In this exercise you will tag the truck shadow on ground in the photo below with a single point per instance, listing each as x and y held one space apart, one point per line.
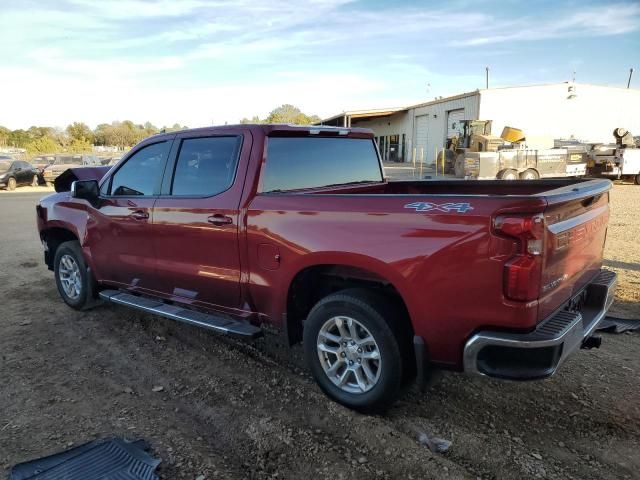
622 265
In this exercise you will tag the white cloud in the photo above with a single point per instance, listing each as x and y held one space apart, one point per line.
614 19
127 9
221 60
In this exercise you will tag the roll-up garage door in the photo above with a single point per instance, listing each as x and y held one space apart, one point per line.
454 122
421 137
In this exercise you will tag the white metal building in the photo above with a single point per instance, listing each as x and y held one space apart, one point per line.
577 111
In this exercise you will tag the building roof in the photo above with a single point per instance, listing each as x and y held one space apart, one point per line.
374 112
384 112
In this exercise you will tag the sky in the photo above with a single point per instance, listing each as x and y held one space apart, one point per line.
203 62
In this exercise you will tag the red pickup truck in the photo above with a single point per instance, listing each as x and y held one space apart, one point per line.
240 229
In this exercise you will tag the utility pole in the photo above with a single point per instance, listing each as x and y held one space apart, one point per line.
487 77
630 75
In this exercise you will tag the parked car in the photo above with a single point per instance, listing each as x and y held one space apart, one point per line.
15 173
64 162
272 228
43 161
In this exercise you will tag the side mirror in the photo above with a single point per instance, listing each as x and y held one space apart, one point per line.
87 190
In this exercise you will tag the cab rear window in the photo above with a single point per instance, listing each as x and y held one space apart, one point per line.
295 163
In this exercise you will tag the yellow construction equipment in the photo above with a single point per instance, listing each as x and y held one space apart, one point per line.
512 135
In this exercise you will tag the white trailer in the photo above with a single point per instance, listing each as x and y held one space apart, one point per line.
624 164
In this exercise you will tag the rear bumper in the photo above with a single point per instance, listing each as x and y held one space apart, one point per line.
538 354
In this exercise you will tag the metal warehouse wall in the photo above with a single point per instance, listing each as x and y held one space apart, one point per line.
436 122
395 124
589 113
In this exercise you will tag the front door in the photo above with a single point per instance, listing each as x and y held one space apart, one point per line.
195 221
120 229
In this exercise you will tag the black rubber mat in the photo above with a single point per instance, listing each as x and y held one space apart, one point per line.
107 459
618 325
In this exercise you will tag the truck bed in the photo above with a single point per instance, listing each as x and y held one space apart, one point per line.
544 188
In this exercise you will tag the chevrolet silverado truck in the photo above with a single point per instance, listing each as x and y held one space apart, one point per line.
295 231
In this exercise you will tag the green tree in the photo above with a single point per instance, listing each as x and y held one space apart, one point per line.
5 134
150 129
253 120
101 133
19 138
289 114
42 145
80 132
80 146
284 114
40 132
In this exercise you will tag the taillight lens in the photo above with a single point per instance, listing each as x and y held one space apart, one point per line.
522 273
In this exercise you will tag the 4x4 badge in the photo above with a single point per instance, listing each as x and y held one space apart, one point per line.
439 207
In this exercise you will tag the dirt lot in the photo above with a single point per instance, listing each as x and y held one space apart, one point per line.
233 410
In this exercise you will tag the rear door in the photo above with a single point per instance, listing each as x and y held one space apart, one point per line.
196 219
120 229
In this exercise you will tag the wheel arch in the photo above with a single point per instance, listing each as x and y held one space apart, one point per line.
315 280
55 236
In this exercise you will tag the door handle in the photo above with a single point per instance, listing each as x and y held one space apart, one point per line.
219 219
139 215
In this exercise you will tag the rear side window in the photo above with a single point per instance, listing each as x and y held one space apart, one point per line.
308 162
206 166
141 173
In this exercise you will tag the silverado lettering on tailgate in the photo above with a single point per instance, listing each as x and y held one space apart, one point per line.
581 233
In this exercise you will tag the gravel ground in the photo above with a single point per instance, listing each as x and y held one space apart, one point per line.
228 409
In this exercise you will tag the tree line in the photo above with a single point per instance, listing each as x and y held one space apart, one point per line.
78 137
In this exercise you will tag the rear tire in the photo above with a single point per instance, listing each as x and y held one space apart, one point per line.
508 175
11 184
35 181
529 174
354 349
73 279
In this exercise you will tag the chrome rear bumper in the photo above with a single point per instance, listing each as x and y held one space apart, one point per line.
538 354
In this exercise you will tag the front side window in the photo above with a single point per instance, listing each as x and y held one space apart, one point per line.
206 166
295 163
141 173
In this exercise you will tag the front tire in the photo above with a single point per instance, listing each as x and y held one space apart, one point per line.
353 348
72 277
11 184
35 181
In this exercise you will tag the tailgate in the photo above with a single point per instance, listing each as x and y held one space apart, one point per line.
576 229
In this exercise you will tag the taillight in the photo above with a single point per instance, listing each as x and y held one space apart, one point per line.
522 273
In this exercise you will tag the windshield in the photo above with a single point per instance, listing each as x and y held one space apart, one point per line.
4 165
295 163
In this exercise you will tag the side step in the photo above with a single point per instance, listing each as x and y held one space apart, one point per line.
219 324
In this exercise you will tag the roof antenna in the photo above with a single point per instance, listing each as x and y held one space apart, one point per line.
630 75
487 77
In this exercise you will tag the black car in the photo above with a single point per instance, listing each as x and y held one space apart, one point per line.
14 173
